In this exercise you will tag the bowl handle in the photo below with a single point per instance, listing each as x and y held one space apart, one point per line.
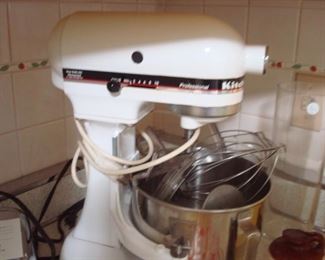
253 236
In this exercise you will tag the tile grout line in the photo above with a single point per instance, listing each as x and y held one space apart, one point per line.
257 116
19 154
37 125
9 31
298 27
247 21
18 146
59 9
274 4
66 139
246 40
42 124
14 100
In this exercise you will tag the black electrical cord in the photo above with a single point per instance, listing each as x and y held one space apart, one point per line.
51 193
69 216
38 228
50 197
46 204
39 235
70 212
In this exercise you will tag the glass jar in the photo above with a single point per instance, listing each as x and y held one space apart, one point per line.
297 199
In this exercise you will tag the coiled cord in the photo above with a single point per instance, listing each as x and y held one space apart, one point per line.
112 166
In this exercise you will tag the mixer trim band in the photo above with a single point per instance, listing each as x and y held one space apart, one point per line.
153 82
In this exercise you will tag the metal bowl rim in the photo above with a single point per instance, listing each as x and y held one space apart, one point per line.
206 211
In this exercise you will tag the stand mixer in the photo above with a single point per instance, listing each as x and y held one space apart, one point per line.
114 67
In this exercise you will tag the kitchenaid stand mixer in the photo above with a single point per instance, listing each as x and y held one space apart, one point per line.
114 67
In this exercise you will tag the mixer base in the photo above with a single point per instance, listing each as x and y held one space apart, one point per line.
76 249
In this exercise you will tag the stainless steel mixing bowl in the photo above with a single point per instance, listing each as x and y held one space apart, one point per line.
181 225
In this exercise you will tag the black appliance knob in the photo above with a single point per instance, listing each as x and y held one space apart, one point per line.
114 86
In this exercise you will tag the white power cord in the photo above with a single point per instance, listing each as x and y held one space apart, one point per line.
111 165
74 176
97 151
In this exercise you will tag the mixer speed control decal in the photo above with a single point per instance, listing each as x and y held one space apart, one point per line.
154 81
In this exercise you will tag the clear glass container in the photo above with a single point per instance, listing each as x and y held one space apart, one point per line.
297 199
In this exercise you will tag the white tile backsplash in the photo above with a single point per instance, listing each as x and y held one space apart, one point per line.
42 146
260 92
230 123
235 16
72 136
305 151
320 4
173 8
76 2
7 113
121 1
311 43
4 34
37 100
156 2
184 2
147 121
30 25
68 109
167 121
120 7
226 3
276 3
285 191
9 158
68 8
148 7
275 27
255 124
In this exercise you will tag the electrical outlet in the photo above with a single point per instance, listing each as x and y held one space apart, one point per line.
307 112
308 106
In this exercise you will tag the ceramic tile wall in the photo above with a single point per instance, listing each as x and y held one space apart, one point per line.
36 125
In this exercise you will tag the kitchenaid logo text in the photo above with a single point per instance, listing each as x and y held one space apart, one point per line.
231 84
193 86
74 74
